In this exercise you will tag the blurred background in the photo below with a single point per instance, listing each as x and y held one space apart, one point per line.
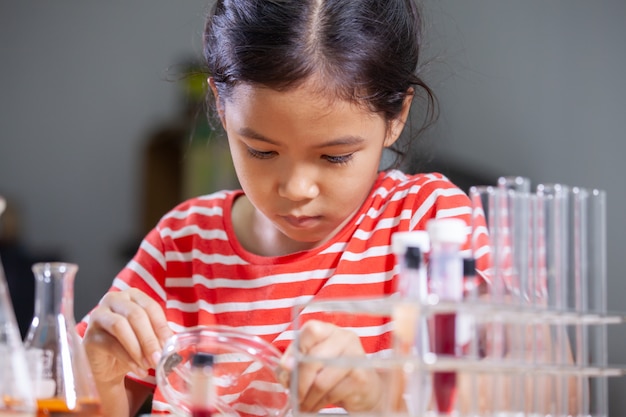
98 138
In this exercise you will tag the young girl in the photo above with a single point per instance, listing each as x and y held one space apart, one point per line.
309 93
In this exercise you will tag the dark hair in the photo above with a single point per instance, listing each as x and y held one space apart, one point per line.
366 51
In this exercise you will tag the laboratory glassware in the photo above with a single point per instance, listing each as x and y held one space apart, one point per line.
245 372
16 395
446 282
410 325
65 385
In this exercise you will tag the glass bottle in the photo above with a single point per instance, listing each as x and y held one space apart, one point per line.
65 385
446 282
202 386
409 325
16 395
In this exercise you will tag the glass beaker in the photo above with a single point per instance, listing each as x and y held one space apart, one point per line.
64 383
16 396
245 373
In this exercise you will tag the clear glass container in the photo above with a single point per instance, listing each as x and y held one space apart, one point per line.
64 383
16 395
245 373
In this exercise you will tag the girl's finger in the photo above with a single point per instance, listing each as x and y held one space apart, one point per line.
143 344
359 390
155 314
324 340
312 333
117 326
324 382
103 344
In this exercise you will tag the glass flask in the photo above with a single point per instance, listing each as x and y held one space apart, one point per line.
244 374
64 383
16 395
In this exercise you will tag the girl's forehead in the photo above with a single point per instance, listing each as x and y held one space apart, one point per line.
284 113
311 92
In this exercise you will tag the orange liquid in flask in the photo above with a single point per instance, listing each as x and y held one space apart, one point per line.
56 407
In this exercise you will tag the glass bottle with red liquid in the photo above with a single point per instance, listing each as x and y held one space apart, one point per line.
202 389
64 384
446 282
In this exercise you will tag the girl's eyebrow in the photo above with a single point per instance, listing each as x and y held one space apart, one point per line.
249 133
341 141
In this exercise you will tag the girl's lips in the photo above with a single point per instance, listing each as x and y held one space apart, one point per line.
302 222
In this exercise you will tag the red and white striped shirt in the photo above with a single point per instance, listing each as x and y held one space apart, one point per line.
194 266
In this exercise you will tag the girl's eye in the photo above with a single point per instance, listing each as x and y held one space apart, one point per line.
260 154
340 159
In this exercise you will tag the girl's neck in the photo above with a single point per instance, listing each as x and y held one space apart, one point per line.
258 235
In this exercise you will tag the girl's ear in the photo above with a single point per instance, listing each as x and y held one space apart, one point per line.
218 103
397 125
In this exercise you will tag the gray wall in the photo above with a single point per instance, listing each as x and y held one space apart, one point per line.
82 83
538 88
533 88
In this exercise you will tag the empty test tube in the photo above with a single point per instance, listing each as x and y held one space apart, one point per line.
577 283
598 353
507 213
555 198
515 183
515 231
487 201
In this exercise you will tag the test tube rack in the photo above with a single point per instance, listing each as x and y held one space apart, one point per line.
539 335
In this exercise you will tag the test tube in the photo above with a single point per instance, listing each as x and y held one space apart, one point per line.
538 293
537 277
597 299
555 204
515 183
410 327
468 333
490 202
202 388
446 282
517 220
577 283
516 231
487 201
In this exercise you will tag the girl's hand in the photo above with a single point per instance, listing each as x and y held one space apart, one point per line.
354 389
126 333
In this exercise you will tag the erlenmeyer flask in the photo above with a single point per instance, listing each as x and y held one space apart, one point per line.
16 395
65 385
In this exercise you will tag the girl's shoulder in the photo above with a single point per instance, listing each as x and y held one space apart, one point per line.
396 185
410 200
201 208
398 178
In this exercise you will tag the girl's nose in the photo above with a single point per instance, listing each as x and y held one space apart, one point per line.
297 184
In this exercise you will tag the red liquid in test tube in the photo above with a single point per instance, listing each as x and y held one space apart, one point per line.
202 412
444 383
202 396
446 281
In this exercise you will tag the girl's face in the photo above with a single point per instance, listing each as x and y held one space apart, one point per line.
306 163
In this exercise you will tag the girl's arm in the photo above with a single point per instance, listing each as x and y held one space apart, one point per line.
126 333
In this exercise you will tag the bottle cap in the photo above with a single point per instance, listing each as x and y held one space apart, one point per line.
449 230
469 267
202 359
402 240
413 257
